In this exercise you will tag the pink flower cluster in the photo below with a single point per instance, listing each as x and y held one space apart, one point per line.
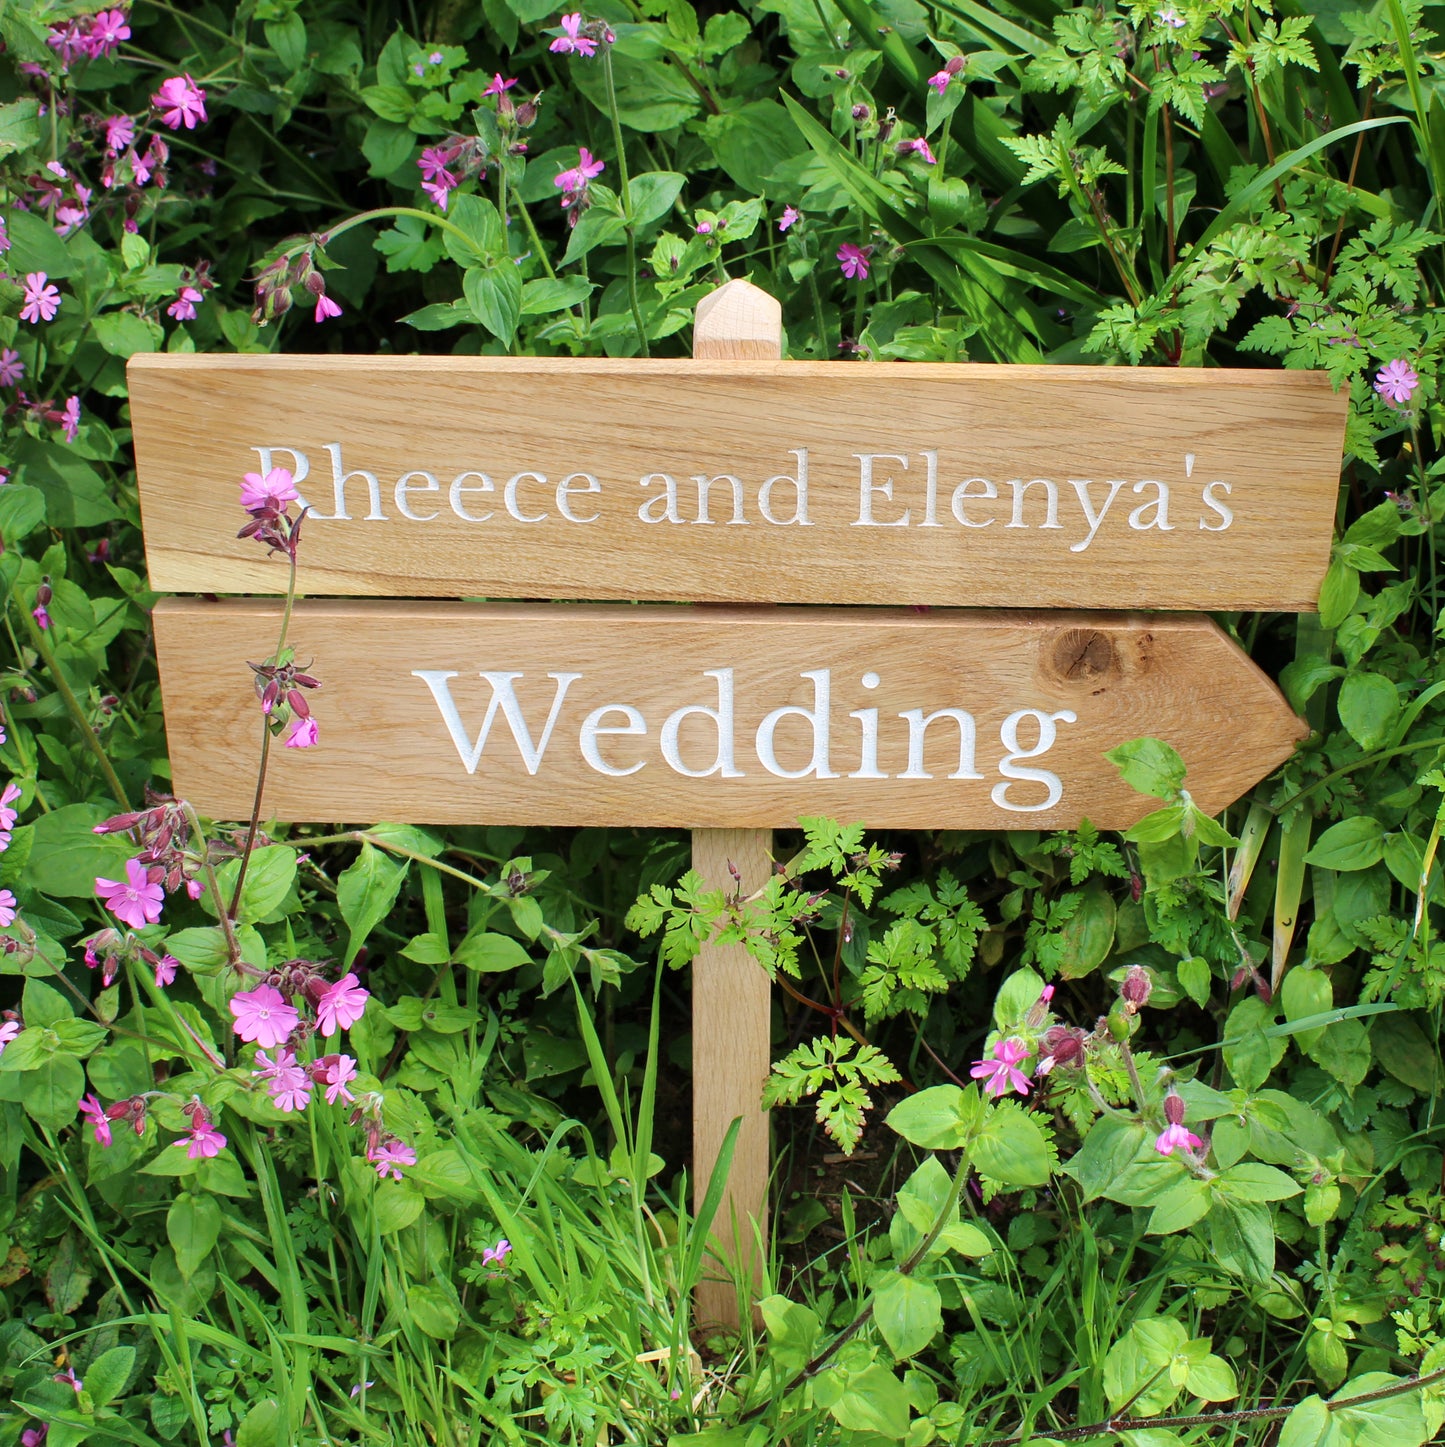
289 273
580 37
90 36
574 184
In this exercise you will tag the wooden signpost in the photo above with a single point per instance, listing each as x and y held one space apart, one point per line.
733 478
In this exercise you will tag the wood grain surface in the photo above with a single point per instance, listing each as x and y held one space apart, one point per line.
391 670
732 1048
547 478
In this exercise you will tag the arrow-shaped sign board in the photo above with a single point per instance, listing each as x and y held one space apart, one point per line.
714 718
747 481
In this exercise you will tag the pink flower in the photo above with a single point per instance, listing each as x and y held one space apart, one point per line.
4 235
439 189
335 1072
7 909
119 133
434 161
269 493
325 307
574 183
573 39
1173 1137
183 308
204 1141
497 1255
390 1158
1175 21
270 1069
1396 381
70 424
854 261
918 147
166 967
263 1015
107 30
1002 1073
703 228
40 615
138 901
290 1089
498 85
97 1119
181 102
68 41
304 733
340 1006
9 1029
12 369
41 301
940 81
790 215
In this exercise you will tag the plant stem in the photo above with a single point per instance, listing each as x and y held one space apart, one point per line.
331 233
627 215
233 945
73 708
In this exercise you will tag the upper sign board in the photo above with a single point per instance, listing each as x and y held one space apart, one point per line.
816 482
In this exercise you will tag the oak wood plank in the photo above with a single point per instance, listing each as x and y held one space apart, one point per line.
1056 486
731 994
387 750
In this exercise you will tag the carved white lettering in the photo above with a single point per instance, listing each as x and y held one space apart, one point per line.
867 487
505 697
592 728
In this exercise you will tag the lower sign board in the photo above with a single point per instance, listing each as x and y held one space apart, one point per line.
453 713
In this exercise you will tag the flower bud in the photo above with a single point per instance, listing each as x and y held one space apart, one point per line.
955 63
1174 1108
1136 989
861 113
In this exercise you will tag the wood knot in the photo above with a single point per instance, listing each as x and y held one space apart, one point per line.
1083 655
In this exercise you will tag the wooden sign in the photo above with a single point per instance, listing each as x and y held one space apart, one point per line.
525 714
756 481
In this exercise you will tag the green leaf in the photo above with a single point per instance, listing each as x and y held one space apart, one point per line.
1255 1181
66 857
397 1204
40 1004
193 1226
1369 704
495 296
34 246
262 1426
433 1306
1338 593
106 1376
365 894
1011 1147
550 294
52 1091
1133 1368
873 1401
480 222
270 875
938 1119
1354 843
1310 1424
1306 992
1149 765
19 125
490 953
1179 1207
123 334
1241 1238
1249 1053
652 195
908 1312
1211 1378
1196 978
22 510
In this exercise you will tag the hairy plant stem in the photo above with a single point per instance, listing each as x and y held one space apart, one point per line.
325 238
628 226
73 708
265 744
1120 1423
233 945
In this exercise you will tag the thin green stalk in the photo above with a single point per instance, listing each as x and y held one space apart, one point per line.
73 708
628 226
331 233
233 947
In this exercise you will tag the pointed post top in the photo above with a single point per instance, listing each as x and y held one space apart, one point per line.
740 322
